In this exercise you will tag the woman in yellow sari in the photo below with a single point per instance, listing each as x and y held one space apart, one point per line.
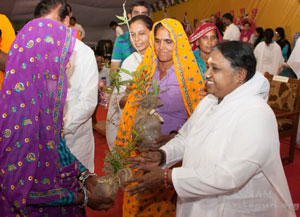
169 59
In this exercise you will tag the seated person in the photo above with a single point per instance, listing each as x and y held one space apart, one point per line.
103 70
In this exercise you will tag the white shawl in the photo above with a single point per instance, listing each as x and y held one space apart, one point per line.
231 163
269 58
294 59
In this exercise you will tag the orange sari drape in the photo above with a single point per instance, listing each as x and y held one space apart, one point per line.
161 202
7 38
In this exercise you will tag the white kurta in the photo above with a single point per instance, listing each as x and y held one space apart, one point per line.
294 59
114 113
294 63
231 163
269 58
119 31
80 104
232 33
81 30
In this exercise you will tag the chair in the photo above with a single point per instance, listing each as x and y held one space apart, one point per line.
284 99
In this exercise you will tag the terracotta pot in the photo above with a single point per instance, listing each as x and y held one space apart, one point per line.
107 186
146 123
124 175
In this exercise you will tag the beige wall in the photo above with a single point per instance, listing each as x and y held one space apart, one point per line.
271 13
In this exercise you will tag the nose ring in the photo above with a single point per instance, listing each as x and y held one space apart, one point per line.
208 76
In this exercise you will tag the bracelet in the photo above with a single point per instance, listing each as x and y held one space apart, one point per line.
163 157
166 178
85 202
84 177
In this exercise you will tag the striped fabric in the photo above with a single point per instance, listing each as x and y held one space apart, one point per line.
122 48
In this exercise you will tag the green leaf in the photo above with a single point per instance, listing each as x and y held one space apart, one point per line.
155 87
139 85
125 71
143 68
134 132
120 18
127 82
137 73
144 78
115 74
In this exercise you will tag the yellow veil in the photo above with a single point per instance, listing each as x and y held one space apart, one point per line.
187 72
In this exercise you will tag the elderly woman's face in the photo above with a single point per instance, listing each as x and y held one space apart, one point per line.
208 41
139 36
163 45
221 78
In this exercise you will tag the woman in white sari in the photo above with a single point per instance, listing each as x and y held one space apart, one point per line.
140 27
268 54
229 147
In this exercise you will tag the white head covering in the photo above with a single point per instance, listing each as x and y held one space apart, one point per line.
216 155
294 60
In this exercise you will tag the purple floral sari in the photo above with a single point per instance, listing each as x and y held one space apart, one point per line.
32 101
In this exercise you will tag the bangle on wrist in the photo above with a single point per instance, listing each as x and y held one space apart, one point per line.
85 201
166 178
163 157
83 177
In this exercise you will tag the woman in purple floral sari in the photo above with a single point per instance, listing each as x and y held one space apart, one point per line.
38 174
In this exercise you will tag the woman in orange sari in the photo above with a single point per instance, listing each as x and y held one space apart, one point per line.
169 59
6 39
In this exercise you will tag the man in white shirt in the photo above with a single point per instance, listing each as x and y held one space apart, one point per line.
80 104
76 25
122 46
232 32
81 99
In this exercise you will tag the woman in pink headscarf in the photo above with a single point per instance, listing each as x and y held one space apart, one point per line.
246 34
202 41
